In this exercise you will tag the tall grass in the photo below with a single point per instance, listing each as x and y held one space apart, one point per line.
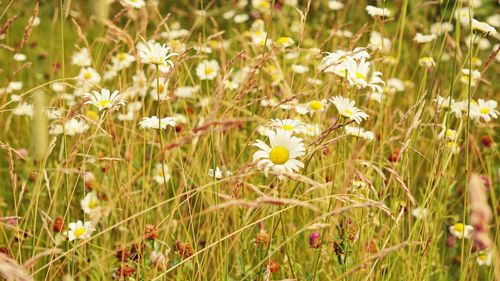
346 215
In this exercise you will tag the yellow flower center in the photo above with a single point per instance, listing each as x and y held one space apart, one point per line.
316 105
87 75
452 145
450 133
105 103
79 231
279 155
122 56
459 227
264 4
483 256
347 113
485 110
93 203
159 172
287 127
208 70
283 41
360 76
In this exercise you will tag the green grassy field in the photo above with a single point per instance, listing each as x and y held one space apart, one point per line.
249 140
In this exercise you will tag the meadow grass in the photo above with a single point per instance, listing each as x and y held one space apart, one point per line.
380 204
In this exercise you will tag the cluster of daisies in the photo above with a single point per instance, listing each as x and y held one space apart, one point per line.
283 154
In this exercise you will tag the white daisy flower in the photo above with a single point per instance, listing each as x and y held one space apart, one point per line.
377 12
260 38
241 18
395 85
71 127
427 62
281 155
89 76
484 257
379 42
311 130
314 106
122 60
90 203
458 108
160 87
154 123
291 125
299 69
161 173
186 91
420 213
104 99
154 53
443 102
14 86
229 14
484 110
481 27
347 109
474 76
140 83
440 28
261 5
375 96
271 102
79 230
81 58
359 75
448 134
175 32
421 38
336 62
291 55
359 132
57 87
207 69
23 109
335 5
285 42
460 230
19 57
482 43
